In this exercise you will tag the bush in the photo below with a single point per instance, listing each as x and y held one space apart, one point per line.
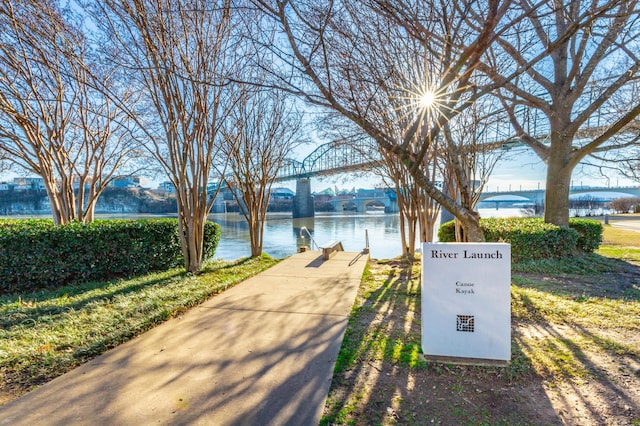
589 234
447 232
530 238
35 254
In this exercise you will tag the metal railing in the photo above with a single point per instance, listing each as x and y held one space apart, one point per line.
366 239
311 240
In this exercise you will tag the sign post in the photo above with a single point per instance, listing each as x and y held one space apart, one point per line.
466 301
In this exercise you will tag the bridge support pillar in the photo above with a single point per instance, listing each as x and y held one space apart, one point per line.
303 200
391 207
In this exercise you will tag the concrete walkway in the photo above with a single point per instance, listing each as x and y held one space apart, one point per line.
261 353
629 222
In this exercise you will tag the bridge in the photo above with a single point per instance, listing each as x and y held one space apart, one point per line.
347 156
334 157
599 194
364 197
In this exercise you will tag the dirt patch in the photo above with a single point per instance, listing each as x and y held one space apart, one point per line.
590 378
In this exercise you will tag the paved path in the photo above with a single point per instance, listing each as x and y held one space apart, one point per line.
261 353
629 222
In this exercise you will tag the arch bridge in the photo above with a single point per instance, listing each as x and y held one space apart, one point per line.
536 196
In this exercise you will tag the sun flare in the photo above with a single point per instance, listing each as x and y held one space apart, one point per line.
427 99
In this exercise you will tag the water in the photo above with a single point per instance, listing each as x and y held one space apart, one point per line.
282 233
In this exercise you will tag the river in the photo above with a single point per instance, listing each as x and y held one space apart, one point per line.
282 235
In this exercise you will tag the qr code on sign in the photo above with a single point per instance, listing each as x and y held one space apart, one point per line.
465 323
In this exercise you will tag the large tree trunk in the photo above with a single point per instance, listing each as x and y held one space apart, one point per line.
556 204
560 164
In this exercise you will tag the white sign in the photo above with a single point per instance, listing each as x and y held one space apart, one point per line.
466 300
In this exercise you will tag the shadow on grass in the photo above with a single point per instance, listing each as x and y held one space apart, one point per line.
99 316
592 373
380 377
570 329
582 277
75 297
25 309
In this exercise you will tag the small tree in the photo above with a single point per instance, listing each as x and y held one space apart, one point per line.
182 56
474 139
52 123
625 205
259 134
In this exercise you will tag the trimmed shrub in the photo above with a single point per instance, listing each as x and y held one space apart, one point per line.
447 232
589 234
530 238
35 254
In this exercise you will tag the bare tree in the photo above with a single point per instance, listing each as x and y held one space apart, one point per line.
345 52
182 55
625 205
260 133
476 136
418 212
51 122
580 60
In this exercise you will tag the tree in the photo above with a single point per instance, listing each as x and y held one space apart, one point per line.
260 133
343 55
625 205
52 123
580 60
182 55
476 137
417 211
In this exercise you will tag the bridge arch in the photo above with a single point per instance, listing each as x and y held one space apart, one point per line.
507 200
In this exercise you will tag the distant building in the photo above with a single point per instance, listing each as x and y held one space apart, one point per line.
5 186
167 187
282 194
28 183
127 182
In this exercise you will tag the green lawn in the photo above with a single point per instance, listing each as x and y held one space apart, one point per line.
45 334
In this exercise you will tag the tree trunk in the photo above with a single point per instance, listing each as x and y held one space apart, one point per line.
255 234
472 230
191 233
560 165
195 238
556 203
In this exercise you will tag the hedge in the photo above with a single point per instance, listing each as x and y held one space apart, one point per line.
532 238
590 233
35 253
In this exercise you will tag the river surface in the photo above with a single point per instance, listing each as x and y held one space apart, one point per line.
282 235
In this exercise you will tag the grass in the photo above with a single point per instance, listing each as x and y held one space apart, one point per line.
567 313
45 334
